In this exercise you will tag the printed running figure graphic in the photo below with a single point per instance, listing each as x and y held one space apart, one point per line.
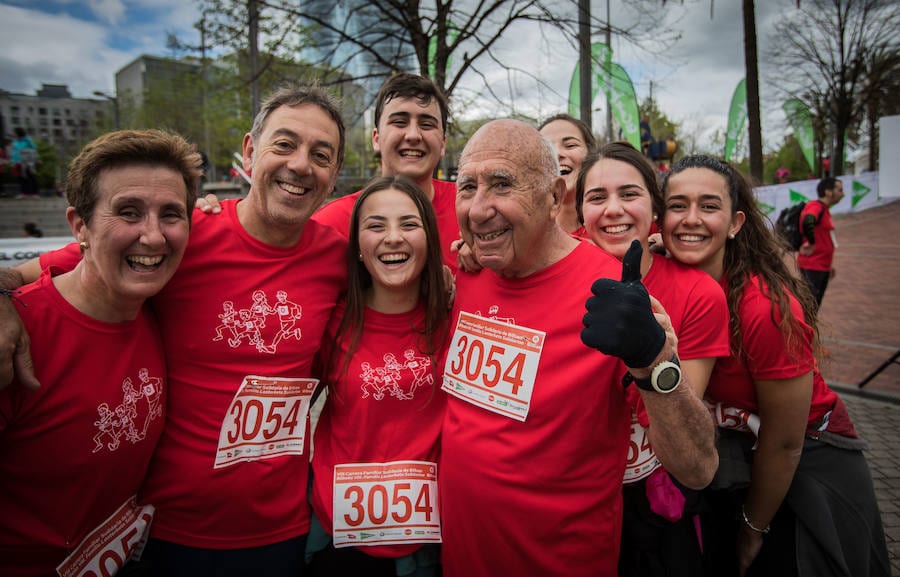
419 368
260 308
151 387
248 325
127 411
389 377
109 426
492 314
113 423
288 315
229 322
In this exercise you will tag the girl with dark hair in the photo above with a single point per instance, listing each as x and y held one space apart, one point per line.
618 200
374 487
805 504
573 140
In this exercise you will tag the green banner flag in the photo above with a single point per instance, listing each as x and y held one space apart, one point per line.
737 118
452 34
796 197
600 53
624 106
860 191
801 122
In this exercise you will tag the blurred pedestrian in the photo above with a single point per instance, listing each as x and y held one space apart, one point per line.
816 255
25 161
31 229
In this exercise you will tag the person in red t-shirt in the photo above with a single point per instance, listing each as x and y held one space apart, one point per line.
816 254
379 431
409 139
536 431
618 199
801 501
74 453
573 140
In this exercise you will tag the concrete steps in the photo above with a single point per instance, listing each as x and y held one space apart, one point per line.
49 212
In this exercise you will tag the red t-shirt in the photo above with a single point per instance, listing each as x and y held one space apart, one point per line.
823 255
237 307
74 451
766 357
386 407
539 497
336 214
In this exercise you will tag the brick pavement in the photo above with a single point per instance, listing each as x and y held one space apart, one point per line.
860 323
875 421
860 314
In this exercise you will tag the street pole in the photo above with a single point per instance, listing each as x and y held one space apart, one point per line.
584 60
754 123
253 11
608 76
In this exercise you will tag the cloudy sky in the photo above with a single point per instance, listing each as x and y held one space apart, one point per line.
82 43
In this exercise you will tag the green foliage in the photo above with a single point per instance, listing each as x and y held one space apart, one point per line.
660 124
789 156
175 95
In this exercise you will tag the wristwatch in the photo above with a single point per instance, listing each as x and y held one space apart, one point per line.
664 378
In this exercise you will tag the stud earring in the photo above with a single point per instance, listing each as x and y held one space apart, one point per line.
360 256
731 235
83 246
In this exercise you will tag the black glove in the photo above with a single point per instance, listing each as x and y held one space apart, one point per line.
619 321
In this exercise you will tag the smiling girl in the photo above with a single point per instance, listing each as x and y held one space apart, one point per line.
376 446
808 507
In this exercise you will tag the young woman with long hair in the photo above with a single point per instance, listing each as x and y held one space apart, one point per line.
807 505
374 464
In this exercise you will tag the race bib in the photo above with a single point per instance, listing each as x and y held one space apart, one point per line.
493 365
736 418
641 459
108 547
266 418
386 504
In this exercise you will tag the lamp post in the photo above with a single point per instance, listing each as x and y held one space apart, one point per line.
115 103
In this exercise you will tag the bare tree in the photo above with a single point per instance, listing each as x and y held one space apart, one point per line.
449 40
827 45
879 95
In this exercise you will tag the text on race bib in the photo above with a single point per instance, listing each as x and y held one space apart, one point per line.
266 419
493 365
386 503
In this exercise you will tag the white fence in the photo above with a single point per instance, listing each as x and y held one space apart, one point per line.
860 192
16 250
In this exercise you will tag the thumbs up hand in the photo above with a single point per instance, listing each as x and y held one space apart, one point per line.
619 320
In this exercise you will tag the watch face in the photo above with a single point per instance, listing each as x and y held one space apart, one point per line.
668 378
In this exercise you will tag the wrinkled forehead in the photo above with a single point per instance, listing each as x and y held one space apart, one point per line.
489 164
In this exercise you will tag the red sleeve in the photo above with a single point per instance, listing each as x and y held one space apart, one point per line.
336 214
768 357
65 258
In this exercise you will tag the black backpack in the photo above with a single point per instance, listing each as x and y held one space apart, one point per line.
788 225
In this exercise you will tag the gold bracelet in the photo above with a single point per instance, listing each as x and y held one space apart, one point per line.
749 524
